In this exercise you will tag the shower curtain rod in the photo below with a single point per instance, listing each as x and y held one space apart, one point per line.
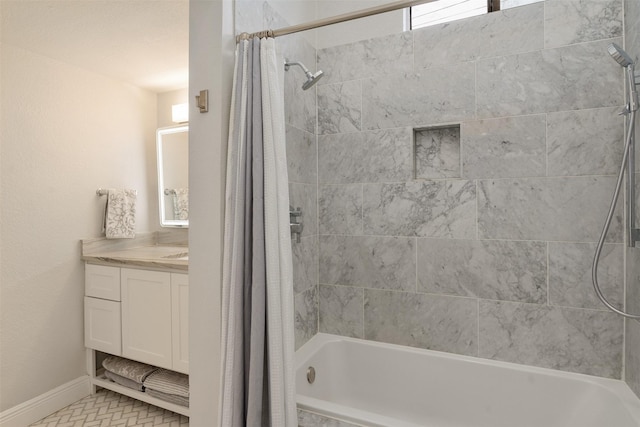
376 10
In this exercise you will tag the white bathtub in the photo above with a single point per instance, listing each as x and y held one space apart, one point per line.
375 384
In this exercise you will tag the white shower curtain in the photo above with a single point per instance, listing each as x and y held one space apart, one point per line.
257 292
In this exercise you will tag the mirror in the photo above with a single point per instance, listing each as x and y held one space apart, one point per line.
173 175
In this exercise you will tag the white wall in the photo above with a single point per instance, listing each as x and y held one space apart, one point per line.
65 132
211 58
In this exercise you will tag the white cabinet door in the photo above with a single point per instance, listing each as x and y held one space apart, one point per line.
102 325
180 321
146 316
101 281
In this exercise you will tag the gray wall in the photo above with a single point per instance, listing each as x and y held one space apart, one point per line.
632 357
478 245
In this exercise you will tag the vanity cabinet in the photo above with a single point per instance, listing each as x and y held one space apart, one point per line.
145 319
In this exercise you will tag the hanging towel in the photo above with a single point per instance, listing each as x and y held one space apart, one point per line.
120 214
181 203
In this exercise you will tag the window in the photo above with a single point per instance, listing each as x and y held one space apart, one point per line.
440 11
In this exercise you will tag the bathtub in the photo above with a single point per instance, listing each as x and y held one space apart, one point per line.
375 384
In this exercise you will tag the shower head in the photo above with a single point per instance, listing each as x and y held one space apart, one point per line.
312 78
619 55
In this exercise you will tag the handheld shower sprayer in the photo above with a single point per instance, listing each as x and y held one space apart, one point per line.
620 56
625 61
312 78
633 236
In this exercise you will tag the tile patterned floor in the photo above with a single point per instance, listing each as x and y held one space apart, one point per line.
109 409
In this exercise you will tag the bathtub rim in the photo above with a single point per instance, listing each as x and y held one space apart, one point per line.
310 404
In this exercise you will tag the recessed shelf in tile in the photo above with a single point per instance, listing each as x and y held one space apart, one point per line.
437 152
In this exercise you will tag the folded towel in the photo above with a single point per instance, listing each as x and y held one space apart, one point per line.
172 398
129 369
168 382
126 382
181 203
120 214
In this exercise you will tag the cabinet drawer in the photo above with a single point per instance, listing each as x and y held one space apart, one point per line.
102 327
102 282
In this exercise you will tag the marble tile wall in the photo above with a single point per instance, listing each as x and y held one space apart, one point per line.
300 127
483 250
632 348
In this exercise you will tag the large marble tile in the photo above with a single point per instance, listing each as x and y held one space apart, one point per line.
342 310
302 157
305 263
576 21
434 96
504 148
340 209
373 156
518 30
490 269
570 275
632 356
568 78
585 142
369 58
304 196
632 29
300 105
633 280
569 339
340 107
367 261
423 209
249 16
310 419
437 152
554 209
306 316
427 321
508 4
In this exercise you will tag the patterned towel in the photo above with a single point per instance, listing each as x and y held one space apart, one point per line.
129 369
126 382
120 214
181 203
168 382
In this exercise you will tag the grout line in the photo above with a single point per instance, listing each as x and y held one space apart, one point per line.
548 257
478 328
416 258
390 236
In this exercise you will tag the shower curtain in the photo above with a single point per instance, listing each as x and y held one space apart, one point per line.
257 288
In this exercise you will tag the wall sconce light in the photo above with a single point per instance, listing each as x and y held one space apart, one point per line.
180 113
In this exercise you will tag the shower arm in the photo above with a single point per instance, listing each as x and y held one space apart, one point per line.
288 64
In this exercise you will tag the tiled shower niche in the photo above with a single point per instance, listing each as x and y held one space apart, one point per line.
437 152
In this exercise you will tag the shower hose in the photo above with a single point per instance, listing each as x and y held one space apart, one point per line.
605 229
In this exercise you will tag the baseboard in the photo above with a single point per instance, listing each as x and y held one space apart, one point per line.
47 403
